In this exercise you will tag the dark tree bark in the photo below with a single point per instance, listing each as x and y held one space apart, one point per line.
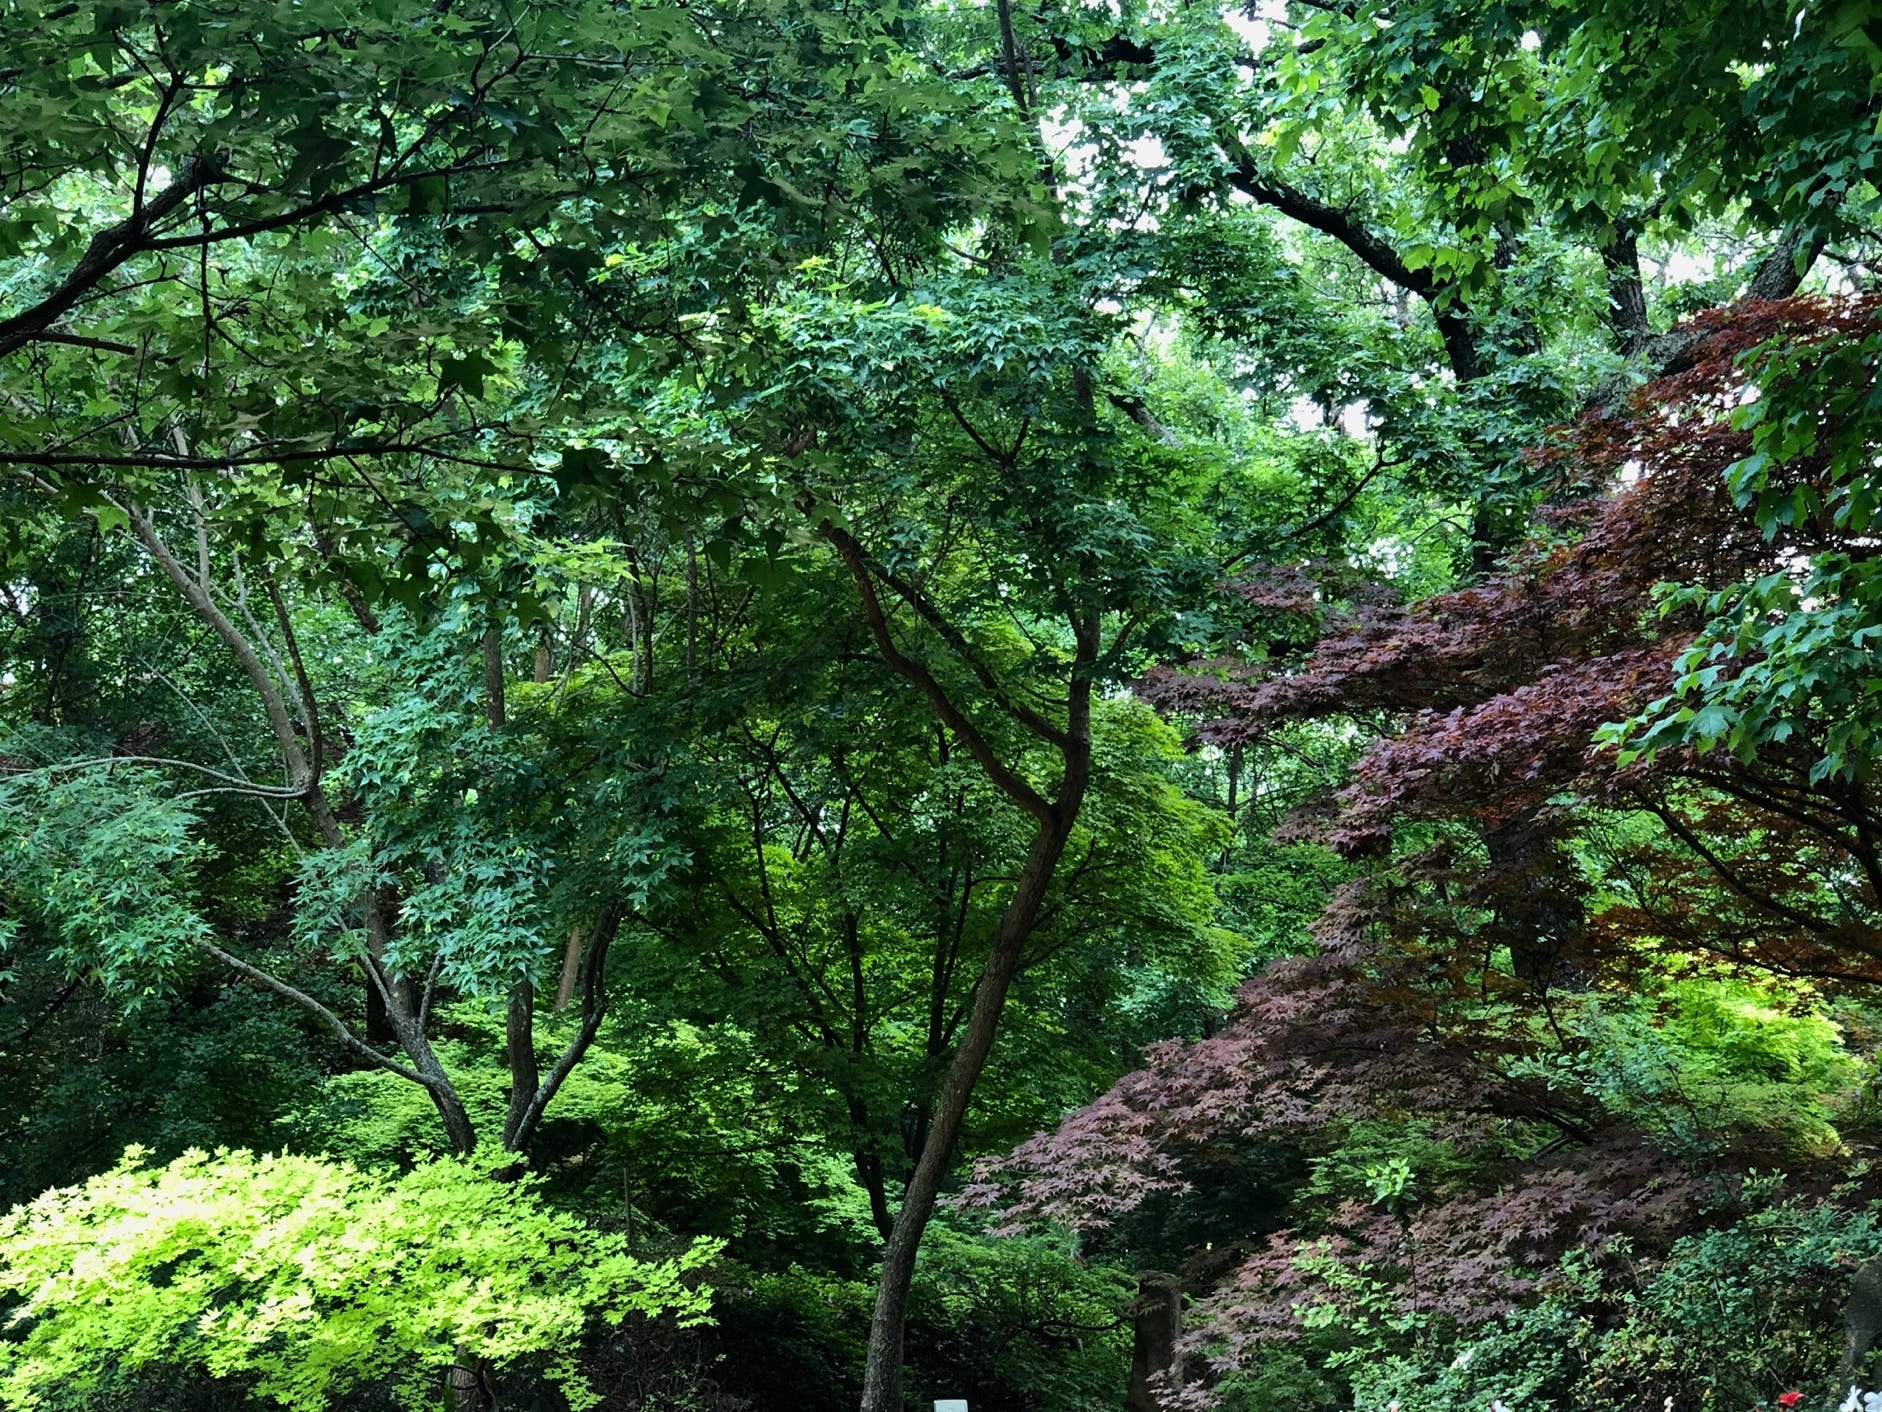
1156 1324
404 1009
1627 296
1541 912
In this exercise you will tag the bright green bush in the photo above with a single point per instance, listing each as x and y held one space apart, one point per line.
304 1279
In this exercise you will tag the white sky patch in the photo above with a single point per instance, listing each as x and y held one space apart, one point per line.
1682 266
1352 418
1065 138
1797 564
1254 28
1392 553
1304 413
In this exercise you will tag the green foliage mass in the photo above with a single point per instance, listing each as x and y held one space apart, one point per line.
583 587
103 861
1724 1319
304 1279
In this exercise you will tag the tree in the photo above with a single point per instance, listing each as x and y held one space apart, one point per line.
851 869
697 484
1449 984
1519 239
1018 486
282 159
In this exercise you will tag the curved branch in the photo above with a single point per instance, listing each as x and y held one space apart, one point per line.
332 1021
235 783
1005 779
1373 251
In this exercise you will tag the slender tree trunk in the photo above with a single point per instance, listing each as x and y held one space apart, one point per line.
639 628
692 610
405 1014
571 969
493 675
378 1023
882 1371
1539 908
519 1033
1627 295
444 1096
869 1173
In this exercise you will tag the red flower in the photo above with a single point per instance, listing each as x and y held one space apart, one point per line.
1789 1399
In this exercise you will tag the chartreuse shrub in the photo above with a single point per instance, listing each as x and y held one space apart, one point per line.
1705 1061
305 1279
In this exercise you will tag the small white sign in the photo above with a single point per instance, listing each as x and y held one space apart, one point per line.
950 1404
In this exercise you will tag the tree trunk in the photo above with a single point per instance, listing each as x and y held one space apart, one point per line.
519 1033
378 1023
571 969
1627 296
493 676
1538 907
639 630
692 611
882 1371
1156 1324
409 1027
869 1173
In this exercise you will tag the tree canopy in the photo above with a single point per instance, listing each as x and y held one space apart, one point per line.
750 704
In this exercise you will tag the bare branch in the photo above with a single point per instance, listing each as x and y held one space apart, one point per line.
332 1021
235 783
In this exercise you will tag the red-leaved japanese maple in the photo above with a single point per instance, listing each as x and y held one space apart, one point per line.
1427 995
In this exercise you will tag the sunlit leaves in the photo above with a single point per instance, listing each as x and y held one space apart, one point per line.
306 1279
